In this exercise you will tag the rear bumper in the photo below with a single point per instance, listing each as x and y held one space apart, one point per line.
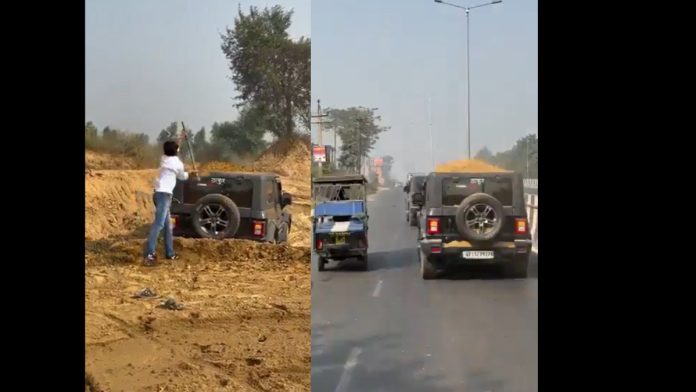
452 253
340 251
184 228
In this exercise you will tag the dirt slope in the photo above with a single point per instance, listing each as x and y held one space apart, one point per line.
117 202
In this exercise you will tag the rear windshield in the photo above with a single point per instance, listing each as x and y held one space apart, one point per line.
417 183
455 189
240 190
335 192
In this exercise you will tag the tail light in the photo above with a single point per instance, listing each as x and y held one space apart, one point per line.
259 228
320 244
433 226
436 249
520 226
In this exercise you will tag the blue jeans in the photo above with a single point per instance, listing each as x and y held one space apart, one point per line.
162 221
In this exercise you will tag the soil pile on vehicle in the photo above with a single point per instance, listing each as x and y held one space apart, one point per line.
469 165
220 166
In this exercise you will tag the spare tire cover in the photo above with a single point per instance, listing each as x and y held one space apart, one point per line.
480 217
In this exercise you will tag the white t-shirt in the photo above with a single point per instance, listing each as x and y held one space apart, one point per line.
171 169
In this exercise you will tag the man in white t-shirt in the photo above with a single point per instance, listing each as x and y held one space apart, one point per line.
171 169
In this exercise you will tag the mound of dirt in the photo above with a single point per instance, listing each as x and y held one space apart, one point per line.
117 202
103 161
287 158
469 165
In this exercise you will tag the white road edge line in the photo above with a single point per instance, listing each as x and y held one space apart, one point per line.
378 288
348 369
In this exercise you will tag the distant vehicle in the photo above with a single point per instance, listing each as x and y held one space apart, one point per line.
397 184
340 219
414 185
232 205
473 218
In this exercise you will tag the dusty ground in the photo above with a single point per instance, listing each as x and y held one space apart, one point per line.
245 325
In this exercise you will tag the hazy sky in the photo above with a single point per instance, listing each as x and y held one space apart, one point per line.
151 62
394 54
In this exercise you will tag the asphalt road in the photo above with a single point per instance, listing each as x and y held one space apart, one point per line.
388 330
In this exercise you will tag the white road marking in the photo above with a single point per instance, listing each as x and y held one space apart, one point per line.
348 369
378 288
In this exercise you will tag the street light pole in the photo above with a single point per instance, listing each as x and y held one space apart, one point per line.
468 80
468 90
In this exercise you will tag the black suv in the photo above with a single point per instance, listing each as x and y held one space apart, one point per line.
473 218
413 185
239 205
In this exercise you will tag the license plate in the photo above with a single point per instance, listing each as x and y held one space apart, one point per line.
478 254
340 238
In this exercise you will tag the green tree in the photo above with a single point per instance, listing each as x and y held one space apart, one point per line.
91 135
527 156
244 136
199 139
523 157
358 129
200 145
484 154
169 133
271 71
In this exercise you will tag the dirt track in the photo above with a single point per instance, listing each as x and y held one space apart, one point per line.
245 325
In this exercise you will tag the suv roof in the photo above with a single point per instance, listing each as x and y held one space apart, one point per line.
243 174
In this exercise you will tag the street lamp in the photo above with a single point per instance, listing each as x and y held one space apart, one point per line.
468 93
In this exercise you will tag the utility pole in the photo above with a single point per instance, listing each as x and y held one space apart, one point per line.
362 124
320 134
360 148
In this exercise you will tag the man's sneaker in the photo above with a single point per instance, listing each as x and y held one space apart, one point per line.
173 257
150 260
